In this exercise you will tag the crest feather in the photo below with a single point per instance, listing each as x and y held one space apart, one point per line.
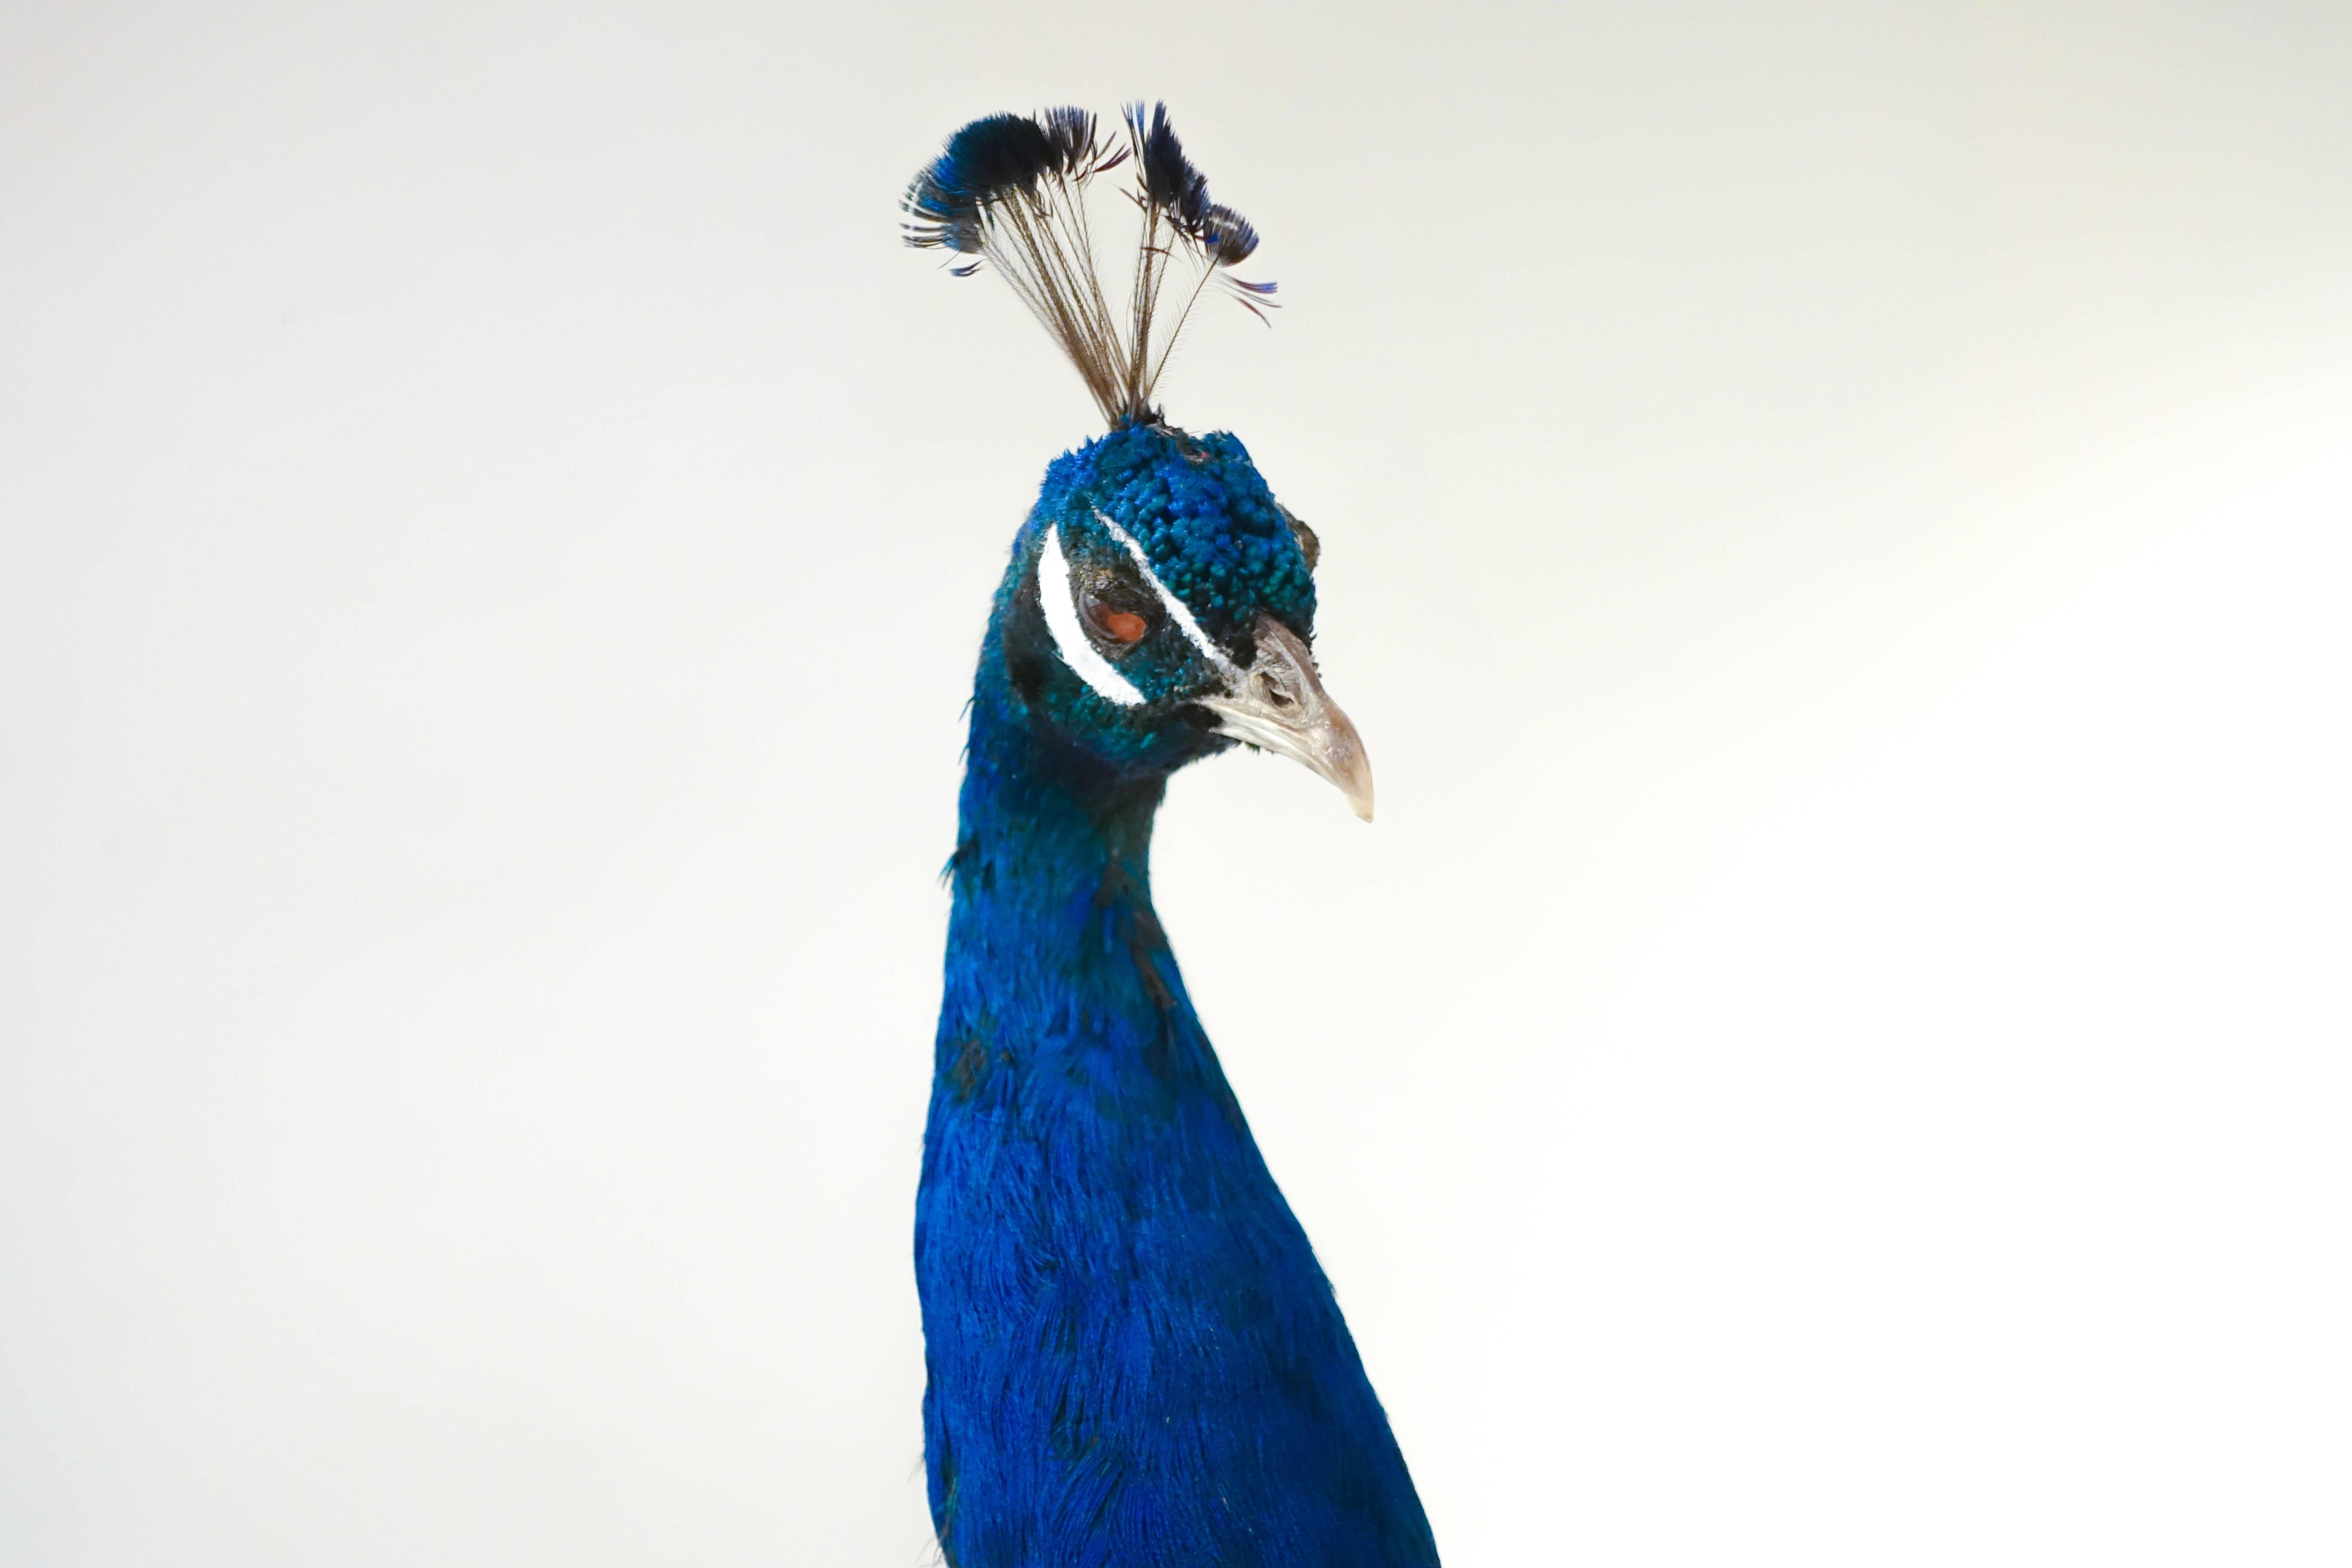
1009 190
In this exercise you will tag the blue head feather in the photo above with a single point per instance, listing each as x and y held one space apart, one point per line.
1213 535
1203 514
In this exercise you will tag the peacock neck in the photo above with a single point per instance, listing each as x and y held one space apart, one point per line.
1054 952
1047 840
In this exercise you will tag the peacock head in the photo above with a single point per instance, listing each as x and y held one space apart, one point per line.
1161 602
1160 608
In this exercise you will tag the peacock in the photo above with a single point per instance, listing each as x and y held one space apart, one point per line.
1134 1360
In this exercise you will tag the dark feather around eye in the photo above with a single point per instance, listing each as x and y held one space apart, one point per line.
1113 592
1106 600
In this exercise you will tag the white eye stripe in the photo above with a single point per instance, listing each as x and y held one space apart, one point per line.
1177 611
1058 596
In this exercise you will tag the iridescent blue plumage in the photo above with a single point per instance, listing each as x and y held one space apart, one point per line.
1135 1361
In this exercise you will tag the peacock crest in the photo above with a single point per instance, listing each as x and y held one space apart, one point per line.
1011 191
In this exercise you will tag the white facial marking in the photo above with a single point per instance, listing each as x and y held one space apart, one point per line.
1058 595
1177 611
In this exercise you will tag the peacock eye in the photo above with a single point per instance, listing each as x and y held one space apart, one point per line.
1117 612
1120 625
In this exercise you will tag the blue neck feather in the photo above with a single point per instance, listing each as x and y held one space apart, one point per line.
1134 1358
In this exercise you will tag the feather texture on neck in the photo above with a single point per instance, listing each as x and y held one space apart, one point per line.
1134 1357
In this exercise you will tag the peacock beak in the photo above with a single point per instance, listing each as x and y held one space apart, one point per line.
1279 705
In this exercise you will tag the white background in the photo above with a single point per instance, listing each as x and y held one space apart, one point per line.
1835 533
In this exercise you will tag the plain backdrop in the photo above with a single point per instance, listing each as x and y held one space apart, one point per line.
1835 526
